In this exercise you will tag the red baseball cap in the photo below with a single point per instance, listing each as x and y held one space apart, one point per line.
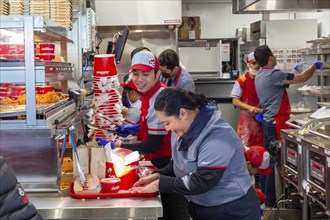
144 61
129 83
260 158
250 58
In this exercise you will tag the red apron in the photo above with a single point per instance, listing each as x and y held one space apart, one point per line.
249 130
282 115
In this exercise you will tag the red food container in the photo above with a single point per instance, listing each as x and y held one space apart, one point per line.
46 48
128 174
46 57
38 89
5 94
12 51
46 89
105 65
5 87
110 185
18 90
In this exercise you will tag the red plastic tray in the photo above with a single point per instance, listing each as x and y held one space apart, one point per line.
119 194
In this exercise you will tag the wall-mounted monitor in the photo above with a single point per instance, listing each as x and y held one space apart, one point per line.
117 47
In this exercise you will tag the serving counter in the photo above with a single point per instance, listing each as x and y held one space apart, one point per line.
62 206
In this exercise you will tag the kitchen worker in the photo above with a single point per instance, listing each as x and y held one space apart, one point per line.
271 87
131 114
208 165
124 99
245 97
14 202
155 140
173 74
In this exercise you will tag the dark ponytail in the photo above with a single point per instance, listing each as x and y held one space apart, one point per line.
170 100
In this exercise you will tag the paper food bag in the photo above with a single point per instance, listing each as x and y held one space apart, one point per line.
83 154
98 160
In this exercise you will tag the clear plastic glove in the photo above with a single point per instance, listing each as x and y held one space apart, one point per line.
259 117
102 142
126 130
299 68
318 64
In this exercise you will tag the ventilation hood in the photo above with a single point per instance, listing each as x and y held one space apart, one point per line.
257 6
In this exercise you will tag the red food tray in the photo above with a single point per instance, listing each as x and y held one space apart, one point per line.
119 194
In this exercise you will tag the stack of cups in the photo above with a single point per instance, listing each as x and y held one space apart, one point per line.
46 51
106 95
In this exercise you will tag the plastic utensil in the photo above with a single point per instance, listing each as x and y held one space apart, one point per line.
75 153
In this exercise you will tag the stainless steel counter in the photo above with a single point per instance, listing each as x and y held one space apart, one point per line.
55 206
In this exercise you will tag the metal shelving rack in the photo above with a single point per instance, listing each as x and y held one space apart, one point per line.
29 71
323 74
30 145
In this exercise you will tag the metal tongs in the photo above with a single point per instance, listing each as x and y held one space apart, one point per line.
92 126
106 118
75 153
65 133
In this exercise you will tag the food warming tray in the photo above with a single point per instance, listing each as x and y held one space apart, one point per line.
13 110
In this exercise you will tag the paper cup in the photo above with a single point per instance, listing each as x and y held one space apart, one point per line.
110 185
104 65
46 48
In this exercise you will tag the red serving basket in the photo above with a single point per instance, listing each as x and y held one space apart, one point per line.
119 194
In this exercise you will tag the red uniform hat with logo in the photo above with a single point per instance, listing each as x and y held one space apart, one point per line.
129 83
250 58
260 158
144 61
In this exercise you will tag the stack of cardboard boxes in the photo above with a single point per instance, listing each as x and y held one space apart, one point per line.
190 28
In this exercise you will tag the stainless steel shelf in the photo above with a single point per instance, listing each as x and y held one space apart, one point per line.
14 71
316 52
44 28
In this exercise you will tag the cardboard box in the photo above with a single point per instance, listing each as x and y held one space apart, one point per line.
190 28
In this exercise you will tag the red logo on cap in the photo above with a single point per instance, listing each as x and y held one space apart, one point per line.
152 62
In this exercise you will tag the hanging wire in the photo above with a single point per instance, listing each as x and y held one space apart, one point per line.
98 36
83 75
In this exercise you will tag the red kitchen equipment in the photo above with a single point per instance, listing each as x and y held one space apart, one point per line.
119 194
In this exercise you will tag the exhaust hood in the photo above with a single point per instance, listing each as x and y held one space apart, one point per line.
257 6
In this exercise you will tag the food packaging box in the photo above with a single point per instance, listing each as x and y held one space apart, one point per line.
190 28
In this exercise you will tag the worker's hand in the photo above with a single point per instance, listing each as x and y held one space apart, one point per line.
102 142
126 130
254 109
318 64
259 117
146 180
150 188
299 68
